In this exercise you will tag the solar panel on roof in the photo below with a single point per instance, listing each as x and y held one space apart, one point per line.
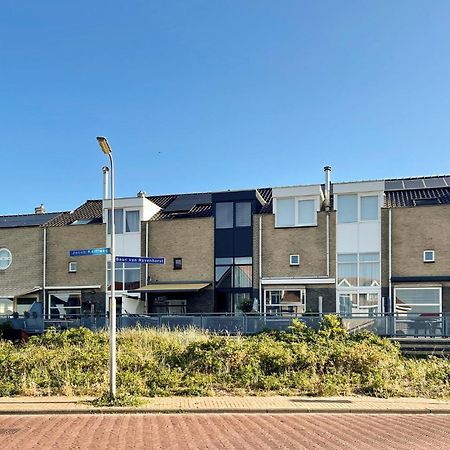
414 184
435 182
27 220
394 185
187 202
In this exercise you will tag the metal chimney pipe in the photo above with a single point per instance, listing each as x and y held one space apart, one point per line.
327 170
105 182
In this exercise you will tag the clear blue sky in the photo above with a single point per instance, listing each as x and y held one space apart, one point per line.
198 95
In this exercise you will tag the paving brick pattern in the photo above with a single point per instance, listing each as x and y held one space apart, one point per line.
226 431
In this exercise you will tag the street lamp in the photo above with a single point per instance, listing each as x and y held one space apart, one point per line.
104 145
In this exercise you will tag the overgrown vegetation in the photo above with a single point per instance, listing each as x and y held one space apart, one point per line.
300 361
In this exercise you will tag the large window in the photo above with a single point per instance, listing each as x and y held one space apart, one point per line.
229 214
369 207
224 215
128 276
285 213
350 210
65 304
118 221
296 212
243 214
6 306
132 221
289 301
361 269
234 272
347 208
420 300
358 302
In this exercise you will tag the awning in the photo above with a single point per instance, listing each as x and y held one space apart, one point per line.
172 287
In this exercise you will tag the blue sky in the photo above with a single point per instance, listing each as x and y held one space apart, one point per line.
200 95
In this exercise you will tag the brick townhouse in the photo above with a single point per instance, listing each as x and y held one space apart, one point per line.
358 247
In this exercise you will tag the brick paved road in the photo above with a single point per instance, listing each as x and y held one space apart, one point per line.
230 431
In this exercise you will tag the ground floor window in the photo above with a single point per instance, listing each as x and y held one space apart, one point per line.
358 303
418 300
128 276
23 304
236 302
64 304
6 306
285 301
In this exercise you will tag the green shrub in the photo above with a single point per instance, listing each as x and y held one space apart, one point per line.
301 361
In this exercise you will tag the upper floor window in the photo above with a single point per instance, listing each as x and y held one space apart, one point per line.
296 212
124 220
118 221
350 209
132 221
224 215
229 214
361 269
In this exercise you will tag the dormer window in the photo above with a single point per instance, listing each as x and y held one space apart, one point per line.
296 212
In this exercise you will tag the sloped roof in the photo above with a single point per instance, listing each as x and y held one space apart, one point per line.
28 220
91 209
412 197
201 209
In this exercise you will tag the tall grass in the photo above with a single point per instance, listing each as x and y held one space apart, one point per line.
151 362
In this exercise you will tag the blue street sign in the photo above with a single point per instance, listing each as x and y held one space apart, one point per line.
90 252
140 260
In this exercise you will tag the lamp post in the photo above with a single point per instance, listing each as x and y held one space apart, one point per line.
104 145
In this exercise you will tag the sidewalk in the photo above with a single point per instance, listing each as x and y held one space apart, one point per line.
273 405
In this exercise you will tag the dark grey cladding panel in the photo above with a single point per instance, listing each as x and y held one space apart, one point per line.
27 220
187 201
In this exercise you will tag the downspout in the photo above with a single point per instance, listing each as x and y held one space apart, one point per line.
327 170
262 304
44 270
328 243
390 261
146 267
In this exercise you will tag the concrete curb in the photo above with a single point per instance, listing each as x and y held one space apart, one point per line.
139 410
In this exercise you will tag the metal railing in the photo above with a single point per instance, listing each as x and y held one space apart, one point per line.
382 324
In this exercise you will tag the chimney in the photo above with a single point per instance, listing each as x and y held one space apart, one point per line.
327 170
39 209
105 183
142 194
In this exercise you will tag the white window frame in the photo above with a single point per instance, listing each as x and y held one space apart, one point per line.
9 258
358 292
291 263
358 215
396 288
358 262
274 289
125 212
296 211
73 264
432 252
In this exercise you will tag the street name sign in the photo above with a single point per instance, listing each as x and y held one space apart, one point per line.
90 252
140 260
